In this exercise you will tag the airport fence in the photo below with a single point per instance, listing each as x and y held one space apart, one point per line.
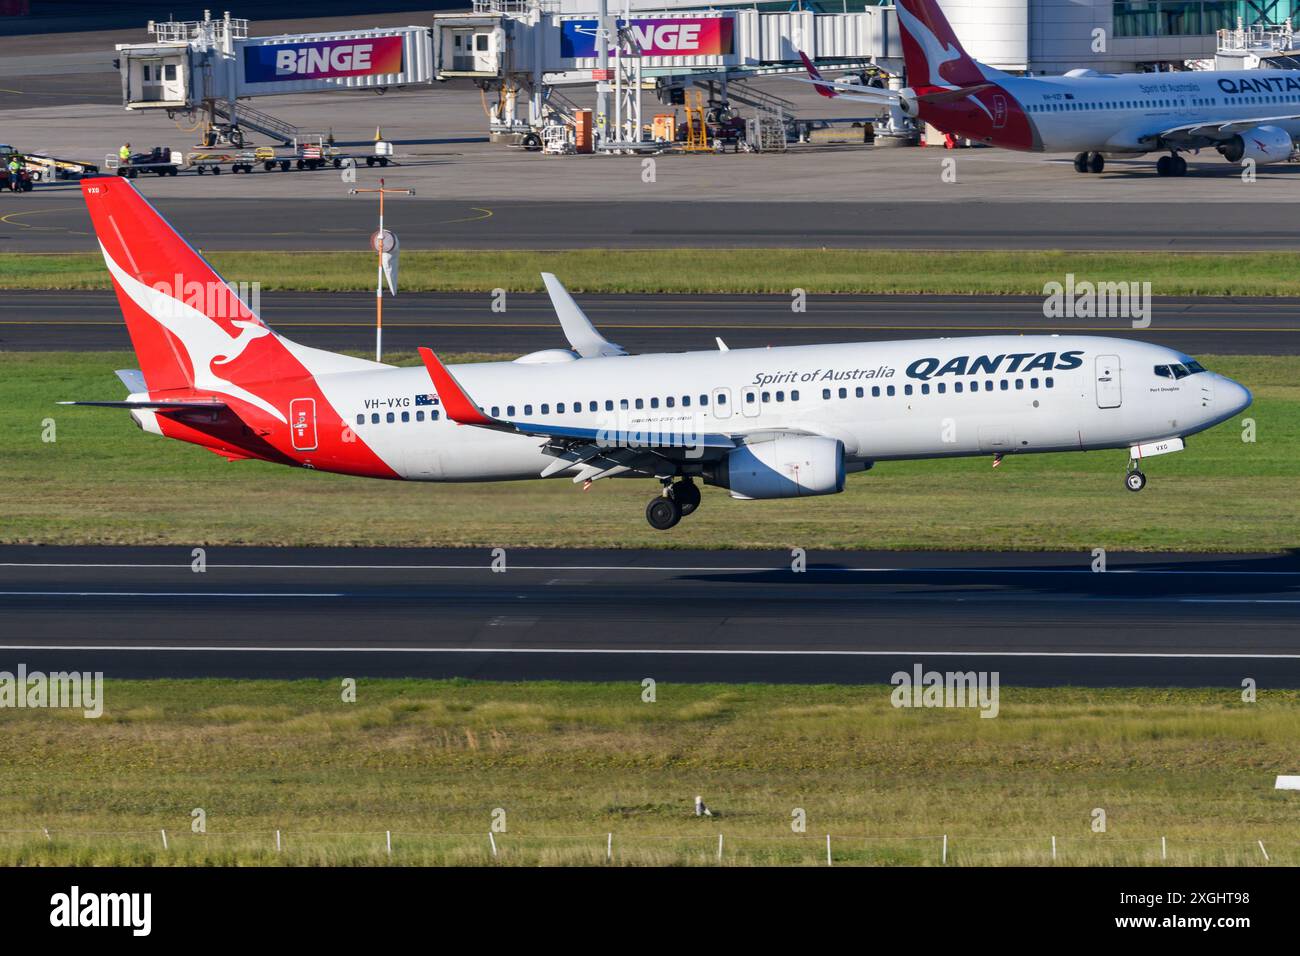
160 847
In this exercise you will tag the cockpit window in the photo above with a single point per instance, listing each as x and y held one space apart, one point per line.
1179 371
1194 366
1163 371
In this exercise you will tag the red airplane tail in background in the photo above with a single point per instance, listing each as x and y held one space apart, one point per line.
933 55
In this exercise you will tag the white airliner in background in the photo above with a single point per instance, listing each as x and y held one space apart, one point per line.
1244 114
762 423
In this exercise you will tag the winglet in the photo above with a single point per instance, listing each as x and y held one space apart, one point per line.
582 335
459 407
823 87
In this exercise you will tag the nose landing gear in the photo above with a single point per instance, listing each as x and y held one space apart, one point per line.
1134 480
676 501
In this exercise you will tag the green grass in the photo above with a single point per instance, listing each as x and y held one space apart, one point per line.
105 482
774 271
570 763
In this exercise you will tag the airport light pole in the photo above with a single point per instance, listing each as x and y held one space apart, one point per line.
385 244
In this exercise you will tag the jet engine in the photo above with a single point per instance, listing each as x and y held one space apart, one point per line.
787 466
1263 144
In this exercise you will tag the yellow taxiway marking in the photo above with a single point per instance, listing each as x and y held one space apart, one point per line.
487 214
12 219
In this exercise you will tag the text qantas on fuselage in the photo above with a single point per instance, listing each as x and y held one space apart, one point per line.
1244 114
763 423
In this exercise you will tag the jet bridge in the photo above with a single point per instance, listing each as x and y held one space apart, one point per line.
525 50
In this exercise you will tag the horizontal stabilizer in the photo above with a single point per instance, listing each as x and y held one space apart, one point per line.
168 406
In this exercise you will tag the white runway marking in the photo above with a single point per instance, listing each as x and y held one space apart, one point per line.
219 594
696 651
633 567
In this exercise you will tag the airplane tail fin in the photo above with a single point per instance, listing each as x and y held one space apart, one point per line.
823 85
931 51
189 328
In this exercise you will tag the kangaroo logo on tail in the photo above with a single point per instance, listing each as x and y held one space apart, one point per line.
205 341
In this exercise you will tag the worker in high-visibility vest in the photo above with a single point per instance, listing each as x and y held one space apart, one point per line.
124 154
14 168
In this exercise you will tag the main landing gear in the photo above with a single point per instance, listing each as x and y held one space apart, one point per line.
1171 165
1134 480
1089 163
675 502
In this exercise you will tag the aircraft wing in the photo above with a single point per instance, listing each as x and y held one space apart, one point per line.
600 453
1214 132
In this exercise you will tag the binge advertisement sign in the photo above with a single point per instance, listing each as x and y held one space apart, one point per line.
661 36
322 59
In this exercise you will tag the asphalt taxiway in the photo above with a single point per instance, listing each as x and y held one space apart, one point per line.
89 320
1044 619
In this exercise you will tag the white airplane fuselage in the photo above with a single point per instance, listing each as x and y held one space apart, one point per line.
883 400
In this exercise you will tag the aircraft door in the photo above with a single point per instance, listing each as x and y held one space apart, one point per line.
1108 381
749 406
722 403
302 423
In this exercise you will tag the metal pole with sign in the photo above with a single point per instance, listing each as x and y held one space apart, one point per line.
386 249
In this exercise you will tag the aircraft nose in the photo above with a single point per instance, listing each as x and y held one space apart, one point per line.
1234 395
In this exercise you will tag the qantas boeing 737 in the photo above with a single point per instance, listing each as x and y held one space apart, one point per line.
1244 114
763 423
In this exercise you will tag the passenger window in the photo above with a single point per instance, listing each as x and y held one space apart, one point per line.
956 386
419 416
749 398
406 416
593 406
654 403
767 396
1048 382
640 403
374 418
704 400
890 391
496 412
925 389
794 395
546 408
988 386
686 401
1020 384
361 419
609 405
826 393
623 404
433 415
670 401
858 392
391 418
722 399
1004 385
875 391
844 393
510 411
942 388
907 389
559 408
1033 383
528 409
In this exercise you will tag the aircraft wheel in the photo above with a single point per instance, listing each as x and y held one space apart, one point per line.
1080 162
662 513
687 495
1135 481
1096 162
1165 166
1179 166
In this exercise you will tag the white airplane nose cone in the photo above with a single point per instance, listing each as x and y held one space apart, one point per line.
1235 395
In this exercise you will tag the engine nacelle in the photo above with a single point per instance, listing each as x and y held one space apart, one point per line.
787 466
908 103
1263 144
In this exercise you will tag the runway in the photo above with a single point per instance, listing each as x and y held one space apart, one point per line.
53 219
77 321
1042 619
